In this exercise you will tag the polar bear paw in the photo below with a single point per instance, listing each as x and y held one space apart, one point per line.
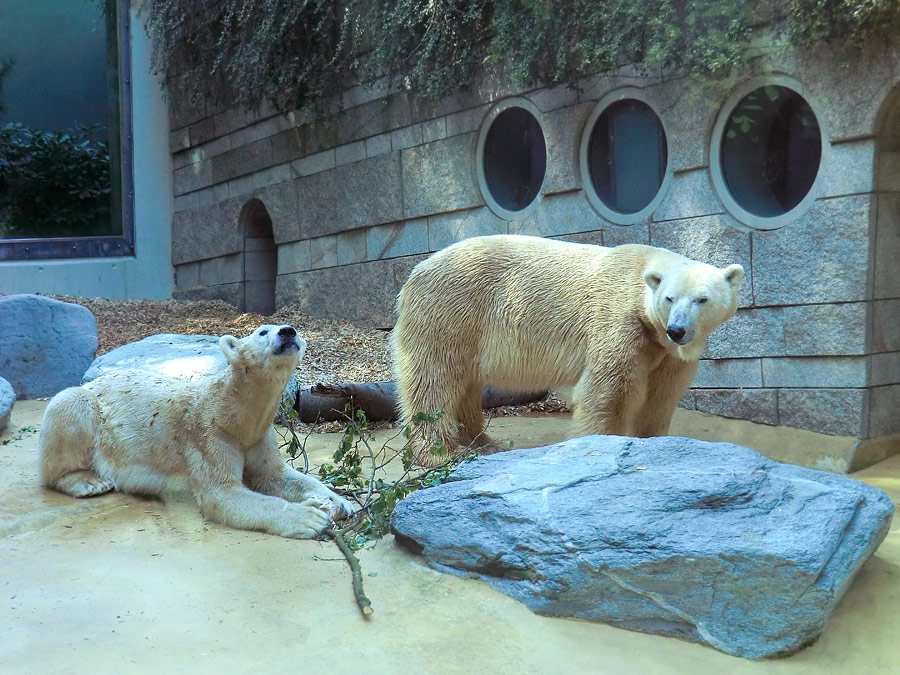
310 518
339 507
84 484
330 502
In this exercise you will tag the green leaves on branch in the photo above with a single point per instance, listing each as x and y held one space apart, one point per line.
358 463
294 52
850 23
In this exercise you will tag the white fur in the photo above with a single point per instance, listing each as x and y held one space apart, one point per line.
529 313
148 434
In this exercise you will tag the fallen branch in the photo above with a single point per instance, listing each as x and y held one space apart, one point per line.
375 497
378 400
365 605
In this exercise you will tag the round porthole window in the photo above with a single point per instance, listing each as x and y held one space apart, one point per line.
767 153
624 158
512 159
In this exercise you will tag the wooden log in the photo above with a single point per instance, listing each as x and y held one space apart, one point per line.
326 402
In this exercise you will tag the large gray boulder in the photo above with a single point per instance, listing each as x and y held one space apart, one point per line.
45 345
186 357
709 542
7 400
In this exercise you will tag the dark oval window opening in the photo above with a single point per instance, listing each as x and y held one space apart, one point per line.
771 150
627 156
515 159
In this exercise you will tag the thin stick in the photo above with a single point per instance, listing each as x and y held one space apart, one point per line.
365 606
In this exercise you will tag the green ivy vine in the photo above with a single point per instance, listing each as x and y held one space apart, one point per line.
290 53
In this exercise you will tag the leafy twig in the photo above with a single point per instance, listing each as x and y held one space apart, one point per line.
365 605
376 498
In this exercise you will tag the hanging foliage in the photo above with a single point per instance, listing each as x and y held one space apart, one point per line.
293 52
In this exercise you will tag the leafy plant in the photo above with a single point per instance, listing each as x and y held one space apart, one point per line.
849 23
375 496
294 52
53 183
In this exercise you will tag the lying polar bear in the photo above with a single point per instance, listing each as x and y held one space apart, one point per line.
144 434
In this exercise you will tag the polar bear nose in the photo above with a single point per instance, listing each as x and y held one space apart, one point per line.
287 331
676 333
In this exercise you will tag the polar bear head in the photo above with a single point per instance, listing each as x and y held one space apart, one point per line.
690 300
270 348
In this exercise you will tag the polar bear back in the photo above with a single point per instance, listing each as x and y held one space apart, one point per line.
142 437
526 309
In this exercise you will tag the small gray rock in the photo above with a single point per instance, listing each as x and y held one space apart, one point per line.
186 357
7 400
45 345
709 542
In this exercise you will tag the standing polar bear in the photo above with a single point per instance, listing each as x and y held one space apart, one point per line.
625 326
146 434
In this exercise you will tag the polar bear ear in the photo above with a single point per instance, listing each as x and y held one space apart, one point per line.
229 345
734 275
653 279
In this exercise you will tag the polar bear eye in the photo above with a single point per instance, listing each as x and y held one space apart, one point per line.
668 299
700 301
263 332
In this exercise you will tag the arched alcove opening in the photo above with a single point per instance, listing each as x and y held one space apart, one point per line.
260 259
884 380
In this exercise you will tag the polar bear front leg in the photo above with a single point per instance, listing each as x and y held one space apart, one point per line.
240 507
667 385
266 472
214 471
609 398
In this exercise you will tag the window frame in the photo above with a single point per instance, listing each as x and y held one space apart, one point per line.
47 248
587 183
717 175
492 204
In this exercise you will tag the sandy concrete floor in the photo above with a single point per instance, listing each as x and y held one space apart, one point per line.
125 585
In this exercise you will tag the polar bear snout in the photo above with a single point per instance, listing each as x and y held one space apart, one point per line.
286 340
681 327
676 333
680 335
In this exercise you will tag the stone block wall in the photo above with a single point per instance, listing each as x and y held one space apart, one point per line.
358 195
884 403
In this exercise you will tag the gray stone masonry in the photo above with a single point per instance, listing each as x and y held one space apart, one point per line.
433 179
712 239
363 187
830 411
561 214
756 405
337 292
883 406
821 258
887 242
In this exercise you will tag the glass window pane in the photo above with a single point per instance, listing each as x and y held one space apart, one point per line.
771 150
627 156
59 120
515 159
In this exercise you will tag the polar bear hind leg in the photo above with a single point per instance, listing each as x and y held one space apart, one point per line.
472 434
67 440
421 397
